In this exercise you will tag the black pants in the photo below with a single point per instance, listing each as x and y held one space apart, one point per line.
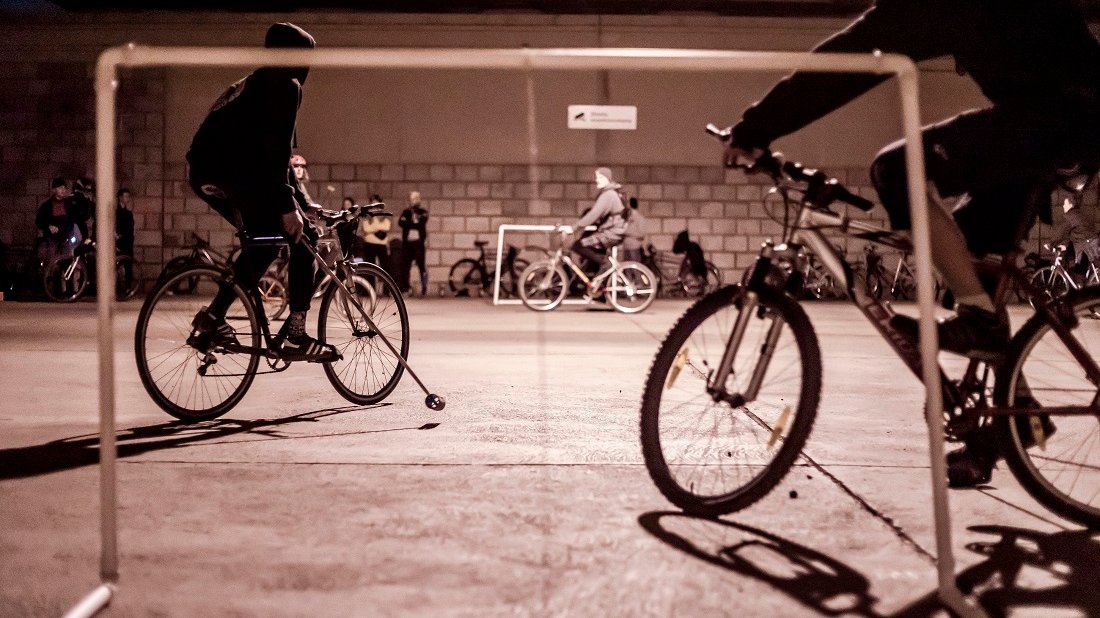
593 257
998 158
245 211
377 254
412 251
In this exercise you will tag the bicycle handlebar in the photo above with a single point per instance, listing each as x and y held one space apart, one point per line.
821 190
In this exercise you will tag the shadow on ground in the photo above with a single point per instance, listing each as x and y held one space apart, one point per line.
1070 559
83 450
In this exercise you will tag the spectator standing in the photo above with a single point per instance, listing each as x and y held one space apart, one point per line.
373 232
636 227
414 237
53 223
124 222
124 229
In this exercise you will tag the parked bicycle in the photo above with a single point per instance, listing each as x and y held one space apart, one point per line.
630 287
733 390
68 277
470 277
194 376
676 278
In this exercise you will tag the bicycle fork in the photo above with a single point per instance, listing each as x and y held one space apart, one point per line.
716 385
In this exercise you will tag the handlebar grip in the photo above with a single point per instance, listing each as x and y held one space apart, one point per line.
859 202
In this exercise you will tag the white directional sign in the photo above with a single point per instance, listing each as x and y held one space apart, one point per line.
620 117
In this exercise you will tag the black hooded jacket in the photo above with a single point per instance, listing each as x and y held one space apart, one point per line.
1033 54
244 144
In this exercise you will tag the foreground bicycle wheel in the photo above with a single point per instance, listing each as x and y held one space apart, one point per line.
710 457
542 286
188 383
65 278
1057 460
633 288
369 370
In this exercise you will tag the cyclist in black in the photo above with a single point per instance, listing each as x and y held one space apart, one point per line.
1039 66
239 164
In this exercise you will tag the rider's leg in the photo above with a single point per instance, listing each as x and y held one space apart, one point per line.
589 249
300 277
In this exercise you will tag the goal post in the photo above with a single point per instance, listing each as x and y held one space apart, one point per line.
525 59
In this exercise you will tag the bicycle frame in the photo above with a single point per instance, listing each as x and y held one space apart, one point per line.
807 233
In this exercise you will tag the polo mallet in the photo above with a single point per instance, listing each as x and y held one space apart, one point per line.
433 401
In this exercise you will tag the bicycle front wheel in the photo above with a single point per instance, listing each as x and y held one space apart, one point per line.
66 278
369 369
713 457
1051 279
465 278
542 286
633 288
1056 457
189 380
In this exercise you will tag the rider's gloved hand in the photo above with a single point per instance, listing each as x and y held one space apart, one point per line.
737 155
293 225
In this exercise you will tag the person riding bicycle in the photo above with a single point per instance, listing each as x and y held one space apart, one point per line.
240 165
1077 234
1039 66
608 215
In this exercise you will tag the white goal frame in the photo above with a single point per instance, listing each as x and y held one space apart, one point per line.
132 55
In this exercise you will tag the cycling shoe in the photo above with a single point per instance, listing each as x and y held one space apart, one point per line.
292 348
973 332
208 331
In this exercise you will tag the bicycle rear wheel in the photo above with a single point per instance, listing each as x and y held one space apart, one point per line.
633 288
710 457
465 278
369 369
65 278
1055 457
542 286
186 382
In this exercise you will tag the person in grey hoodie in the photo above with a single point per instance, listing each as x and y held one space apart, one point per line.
608 215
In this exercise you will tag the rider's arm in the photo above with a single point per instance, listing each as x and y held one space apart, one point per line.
599 210
915 29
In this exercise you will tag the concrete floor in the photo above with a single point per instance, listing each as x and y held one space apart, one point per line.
526 496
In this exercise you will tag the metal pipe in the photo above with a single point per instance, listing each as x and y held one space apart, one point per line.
522 59
97 599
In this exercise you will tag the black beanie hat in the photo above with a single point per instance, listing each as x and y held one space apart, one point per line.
285 34
57 182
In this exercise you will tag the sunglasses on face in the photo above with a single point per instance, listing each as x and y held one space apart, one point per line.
301 166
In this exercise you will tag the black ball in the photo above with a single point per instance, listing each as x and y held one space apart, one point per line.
435 402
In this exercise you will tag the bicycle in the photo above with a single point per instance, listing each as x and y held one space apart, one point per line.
630 287
68 276
194 378
675 276
733 391
1057 280
469 277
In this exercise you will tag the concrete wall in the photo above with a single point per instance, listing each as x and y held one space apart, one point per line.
460 137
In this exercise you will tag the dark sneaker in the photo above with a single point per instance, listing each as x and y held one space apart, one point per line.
208 331
292 348
972 332
972 465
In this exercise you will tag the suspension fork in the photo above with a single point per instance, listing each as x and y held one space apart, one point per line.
716 386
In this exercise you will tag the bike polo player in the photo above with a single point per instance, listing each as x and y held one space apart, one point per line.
1039 65
608 215
239 164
